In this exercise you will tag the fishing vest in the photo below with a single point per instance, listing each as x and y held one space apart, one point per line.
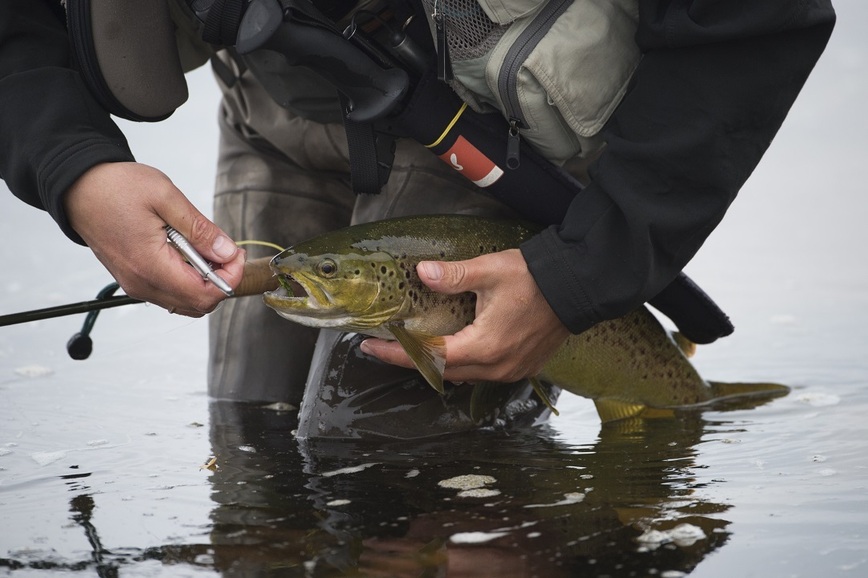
555 69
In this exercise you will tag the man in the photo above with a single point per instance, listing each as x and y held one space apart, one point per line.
714 84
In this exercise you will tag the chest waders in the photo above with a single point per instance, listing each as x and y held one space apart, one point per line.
128 52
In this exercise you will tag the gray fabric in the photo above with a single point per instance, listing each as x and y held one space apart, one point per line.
256 355
138 55
283 179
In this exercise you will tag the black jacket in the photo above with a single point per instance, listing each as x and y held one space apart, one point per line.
716 80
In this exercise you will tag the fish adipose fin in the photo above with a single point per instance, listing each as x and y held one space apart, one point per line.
428 353
687 347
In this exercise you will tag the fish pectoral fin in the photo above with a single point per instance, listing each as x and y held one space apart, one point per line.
614 410
428 353
541 393
482 392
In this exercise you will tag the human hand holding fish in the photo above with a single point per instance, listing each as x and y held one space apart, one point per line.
515 330
121 210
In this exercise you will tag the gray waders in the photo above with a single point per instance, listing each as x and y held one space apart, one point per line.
283 179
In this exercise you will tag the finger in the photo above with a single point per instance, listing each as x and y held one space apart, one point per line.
208 239
471 275
448 277
387 351
179 288
391 352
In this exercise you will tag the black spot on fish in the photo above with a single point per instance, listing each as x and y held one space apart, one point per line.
383 269
401 285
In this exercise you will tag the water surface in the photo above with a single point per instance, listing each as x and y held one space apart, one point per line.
100 461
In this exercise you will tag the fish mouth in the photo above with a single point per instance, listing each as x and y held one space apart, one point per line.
291 293
299 299
290 288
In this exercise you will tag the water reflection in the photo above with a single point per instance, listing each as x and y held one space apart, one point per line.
624 505
628 504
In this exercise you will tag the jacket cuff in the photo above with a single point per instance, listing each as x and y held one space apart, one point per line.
549 261
61 172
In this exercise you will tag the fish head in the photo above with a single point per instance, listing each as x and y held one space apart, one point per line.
354 291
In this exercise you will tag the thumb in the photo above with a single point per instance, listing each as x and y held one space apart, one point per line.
444 276
211 242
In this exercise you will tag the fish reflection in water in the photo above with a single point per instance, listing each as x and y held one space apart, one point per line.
627 504
515 500
374 508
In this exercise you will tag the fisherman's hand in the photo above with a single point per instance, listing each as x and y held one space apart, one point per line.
121 210
515 330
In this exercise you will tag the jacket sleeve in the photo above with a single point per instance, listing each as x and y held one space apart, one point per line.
713 87
52 128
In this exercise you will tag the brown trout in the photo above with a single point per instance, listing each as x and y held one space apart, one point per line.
363 279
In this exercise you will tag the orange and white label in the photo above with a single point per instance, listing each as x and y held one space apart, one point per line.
470 162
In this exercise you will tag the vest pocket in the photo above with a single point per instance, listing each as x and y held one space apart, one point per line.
557 72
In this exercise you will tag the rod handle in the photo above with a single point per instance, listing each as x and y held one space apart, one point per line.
258 278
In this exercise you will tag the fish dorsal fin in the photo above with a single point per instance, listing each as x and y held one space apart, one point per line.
613 410
428 353
541 393
687 347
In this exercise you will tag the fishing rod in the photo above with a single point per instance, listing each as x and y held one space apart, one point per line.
257 279
104 300
80 345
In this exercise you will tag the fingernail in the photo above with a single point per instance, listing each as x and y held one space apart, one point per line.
432 270
365 347
223 247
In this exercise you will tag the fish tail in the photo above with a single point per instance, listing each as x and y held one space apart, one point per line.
722 390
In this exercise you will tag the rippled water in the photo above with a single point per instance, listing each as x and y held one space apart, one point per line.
100 461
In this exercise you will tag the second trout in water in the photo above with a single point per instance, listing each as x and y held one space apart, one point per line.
363 279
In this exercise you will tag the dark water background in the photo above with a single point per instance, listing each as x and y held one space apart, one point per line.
100 460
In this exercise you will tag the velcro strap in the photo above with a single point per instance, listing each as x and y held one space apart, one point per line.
371 154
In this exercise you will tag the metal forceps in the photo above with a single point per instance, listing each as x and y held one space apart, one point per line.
196 260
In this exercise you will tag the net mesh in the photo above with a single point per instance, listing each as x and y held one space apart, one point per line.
469 31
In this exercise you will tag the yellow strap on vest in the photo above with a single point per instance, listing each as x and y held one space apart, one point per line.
448 126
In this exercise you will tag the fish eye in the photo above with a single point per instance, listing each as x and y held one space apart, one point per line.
327 268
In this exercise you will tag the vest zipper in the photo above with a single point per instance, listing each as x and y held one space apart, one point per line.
507 79
444 63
